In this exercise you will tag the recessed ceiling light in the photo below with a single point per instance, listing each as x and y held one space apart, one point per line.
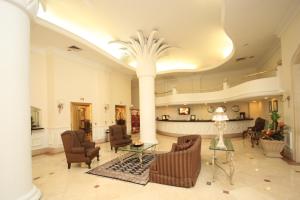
266 98
253 101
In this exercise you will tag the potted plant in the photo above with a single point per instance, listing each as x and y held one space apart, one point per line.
272 141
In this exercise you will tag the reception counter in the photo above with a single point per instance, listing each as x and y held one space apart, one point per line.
205 128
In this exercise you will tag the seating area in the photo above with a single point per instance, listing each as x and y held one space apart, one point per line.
171 99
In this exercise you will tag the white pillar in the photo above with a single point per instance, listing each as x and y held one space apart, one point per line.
147 109
15 143
146 72
146 50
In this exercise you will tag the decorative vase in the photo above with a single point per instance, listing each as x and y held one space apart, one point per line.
272 148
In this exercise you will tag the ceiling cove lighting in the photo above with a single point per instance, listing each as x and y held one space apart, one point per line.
100 40
163 66
103 41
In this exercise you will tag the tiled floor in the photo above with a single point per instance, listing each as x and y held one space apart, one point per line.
256 178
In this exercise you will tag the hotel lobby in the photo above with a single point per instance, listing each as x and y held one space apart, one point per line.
150 99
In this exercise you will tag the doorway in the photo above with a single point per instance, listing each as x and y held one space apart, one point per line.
81 118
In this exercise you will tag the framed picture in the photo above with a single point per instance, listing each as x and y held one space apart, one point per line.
235 108
275 106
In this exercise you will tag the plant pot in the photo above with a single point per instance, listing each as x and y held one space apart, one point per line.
272 148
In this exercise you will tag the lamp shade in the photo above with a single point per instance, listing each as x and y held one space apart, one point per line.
220 115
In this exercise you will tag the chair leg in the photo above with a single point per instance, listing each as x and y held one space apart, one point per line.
98 157
69 165
111 147
116 149
89 164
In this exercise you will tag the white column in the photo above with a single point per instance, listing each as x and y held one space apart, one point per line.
15 143
146 51
146 72
147 109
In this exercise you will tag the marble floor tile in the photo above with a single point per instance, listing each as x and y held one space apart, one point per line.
256 177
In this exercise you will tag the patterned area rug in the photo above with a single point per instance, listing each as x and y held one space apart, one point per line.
130 169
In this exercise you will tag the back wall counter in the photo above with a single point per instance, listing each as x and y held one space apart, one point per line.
204 128
181 125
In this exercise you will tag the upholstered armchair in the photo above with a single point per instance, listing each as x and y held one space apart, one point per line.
118 137
77 149
179 167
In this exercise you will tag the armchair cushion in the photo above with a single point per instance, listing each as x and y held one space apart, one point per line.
88 144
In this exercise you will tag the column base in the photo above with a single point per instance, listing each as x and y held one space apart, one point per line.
33 194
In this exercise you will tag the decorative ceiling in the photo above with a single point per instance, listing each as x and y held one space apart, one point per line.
195 29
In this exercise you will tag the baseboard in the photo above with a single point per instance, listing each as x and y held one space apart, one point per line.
37 152
51 150
231 135
99 141
47 150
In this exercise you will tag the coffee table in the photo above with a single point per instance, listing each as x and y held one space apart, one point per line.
229 150
139 151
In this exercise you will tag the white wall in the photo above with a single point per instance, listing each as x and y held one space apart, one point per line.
58 76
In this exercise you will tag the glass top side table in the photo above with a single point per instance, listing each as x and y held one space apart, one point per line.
229 150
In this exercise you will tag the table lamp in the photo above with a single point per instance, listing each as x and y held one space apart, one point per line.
220 119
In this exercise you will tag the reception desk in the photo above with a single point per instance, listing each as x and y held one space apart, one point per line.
205 128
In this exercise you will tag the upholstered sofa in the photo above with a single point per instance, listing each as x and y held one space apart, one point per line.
77 149
181 166
118 137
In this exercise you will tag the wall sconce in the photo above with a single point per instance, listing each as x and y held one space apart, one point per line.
60 107
82 99
286 98
106 107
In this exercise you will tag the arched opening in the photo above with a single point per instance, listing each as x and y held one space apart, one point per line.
296 102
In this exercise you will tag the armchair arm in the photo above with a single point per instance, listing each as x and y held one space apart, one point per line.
127 136
78 150
88 144
184 139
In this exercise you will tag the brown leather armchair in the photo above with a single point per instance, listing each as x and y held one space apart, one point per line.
181 166
118 137
77 149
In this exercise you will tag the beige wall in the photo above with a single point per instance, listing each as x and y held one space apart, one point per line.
201 82
38 83
290 42
58 76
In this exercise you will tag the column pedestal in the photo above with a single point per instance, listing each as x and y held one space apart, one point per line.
15 145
